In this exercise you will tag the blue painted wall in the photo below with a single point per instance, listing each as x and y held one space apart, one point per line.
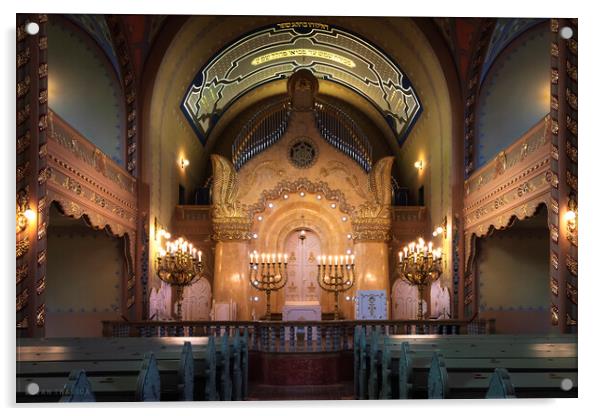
515 94
84 89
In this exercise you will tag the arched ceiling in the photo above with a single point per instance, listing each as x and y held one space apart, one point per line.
274 52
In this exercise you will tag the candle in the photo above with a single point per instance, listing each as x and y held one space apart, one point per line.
352 258
430 246
336 260
250 257
273 257
285 258
263 257
346 259
279 257
200 255
400 256
319 260
329 259
162 253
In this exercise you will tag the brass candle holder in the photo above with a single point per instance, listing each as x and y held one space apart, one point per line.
268 273
420 265
336 274
179 265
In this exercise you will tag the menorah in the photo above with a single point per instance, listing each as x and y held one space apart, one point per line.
420 265
180 265
336 274
269 275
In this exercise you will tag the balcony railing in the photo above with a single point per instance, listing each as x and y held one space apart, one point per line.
293 336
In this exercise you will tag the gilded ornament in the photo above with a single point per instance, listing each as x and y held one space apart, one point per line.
129 98
43 42
22 171
468 299
571 125
571 180
131 132
571 98
130 301
21 33
555 314
555 261
41 285
571 70
41 203
43 122
554 102
554 76
23 86
571 151
43 151
554 204
23 142
524 150
44 175
41 257
43 97
22 299
22 272
570 321
523 189
552 178
554 49
554 286
23 114
554 25
498 203
131 148
554 126
23 57
43 71
554 152
554 233
42 18
571 265
23 323
41 315
22 247
572 44
42 228
571 293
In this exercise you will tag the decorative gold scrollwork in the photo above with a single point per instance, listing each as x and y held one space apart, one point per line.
22 171
571 180
41 257
22 299
552 178
554 76
23 57
23 114
43 43
572 44
554 49
43 122
43 71
555 314
23 323
571 265
22 272
41 285
570 321
554 102
41 315
44 174
23 142
554 204
23 86
554 259
571 125
571 293
554 126
22 247
571 152
554 286
554 25
571 98
571 70
554 233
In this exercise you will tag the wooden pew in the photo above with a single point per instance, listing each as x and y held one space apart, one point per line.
552 356
185 373
54 386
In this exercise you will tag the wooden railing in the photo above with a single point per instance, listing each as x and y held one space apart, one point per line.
293 336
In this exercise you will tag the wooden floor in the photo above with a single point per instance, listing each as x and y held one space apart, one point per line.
324 392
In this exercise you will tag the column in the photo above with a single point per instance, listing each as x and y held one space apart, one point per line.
231 269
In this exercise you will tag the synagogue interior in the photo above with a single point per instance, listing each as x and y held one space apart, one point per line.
295 207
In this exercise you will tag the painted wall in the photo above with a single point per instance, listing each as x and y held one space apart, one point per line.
83 88
515 94
84 278
512 271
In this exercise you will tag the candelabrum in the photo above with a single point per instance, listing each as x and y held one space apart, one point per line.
179 265
267 272
336 274
420 265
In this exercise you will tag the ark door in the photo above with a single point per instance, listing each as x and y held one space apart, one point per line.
302 284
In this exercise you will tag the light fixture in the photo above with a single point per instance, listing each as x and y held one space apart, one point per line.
24 213
333 205
184 163
419 164
336 274
349 236
319 197
301 194
255 235
420 265
285 196
260 218
344 219
270 205
268 273
570 216
441 228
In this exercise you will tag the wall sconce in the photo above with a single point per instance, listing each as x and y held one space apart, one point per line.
441 229
419 164
184 163
571 220
24 213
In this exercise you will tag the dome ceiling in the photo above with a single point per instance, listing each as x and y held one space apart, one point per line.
277 51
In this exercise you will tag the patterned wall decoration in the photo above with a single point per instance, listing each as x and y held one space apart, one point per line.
514 95
277 51
506 30
85 89
96 26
